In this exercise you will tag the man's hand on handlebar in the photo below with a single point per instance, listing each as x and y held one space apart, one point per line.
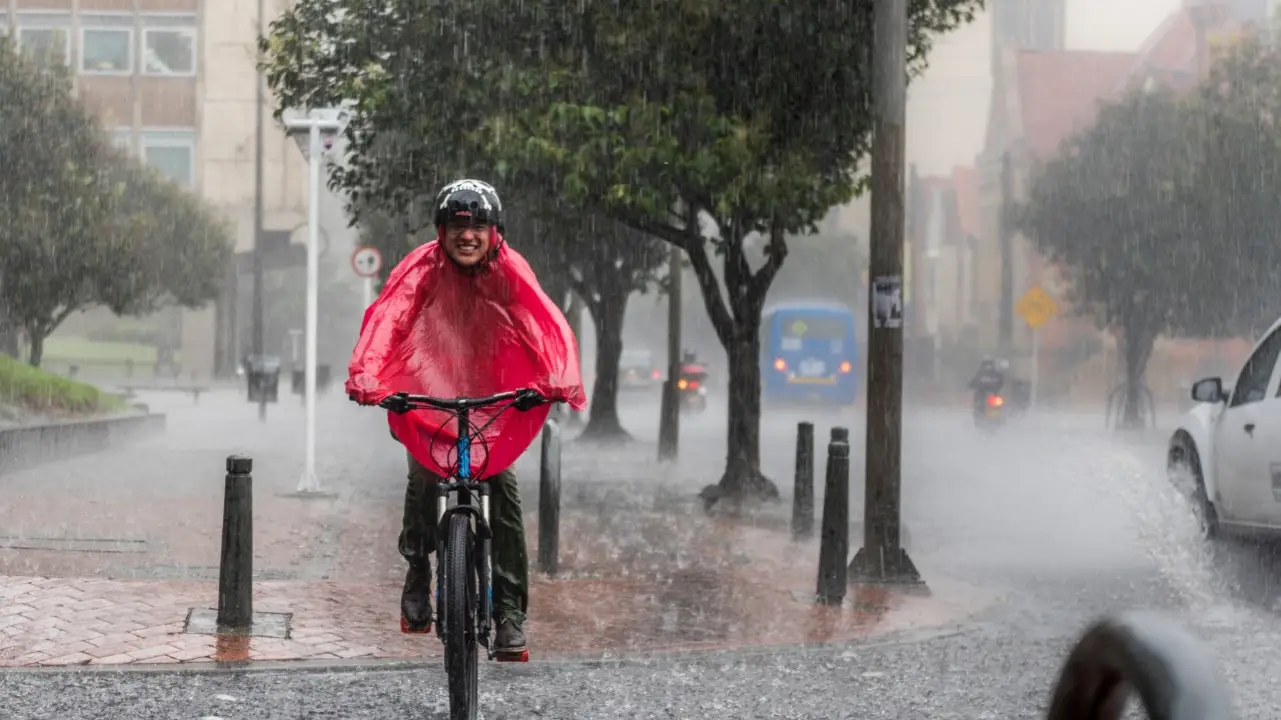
528 399
397 403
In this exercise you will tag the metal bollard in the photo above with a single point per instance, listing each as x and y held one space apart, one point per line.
834 544
549 500
236 566
803 490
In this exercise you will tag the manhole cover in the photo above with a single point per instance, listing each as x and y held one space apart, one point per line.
81 545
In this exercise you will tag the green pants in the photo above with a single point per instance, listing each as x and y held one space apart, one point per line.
510 561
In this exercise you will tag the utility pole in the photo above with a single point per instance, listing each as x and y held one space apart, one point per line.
882 559
669 411
258 320
1007 259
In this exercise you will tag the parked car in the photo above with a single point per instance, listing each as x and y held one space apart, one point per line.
637 371
1225 454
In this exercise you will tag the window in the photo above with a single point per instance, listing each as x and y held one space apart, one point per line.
49 46
173 153
1252 383
169 51
106 51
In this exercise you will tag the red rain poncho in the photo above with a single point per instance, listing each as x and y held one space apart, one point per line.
438 331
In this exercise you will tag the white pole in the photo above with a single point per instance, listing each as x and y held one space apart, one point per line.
369 291
309 482
1036 365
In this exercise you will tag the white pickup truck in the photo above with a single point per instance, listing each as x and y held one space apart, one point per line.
1225 454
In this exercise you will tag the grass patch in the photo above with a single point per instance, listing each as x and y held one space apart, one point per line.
32 389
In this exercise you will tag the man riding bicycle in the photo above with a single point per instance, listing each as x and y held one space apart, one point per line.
464 316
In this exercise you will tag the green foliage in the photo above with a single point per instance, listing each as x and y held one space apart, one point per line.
1117 211
30 389
84 224
752 113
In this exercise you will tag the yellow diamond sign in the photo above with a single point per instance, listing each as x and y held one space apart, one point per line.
1036 307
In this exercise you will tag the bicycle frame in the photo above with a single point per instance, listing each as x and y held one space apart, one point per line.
463 485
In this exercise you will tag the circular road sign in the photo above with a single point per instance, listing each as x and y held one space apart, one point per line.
366 261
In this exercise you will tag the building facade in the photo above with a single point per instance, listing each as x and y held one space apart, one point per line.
174 82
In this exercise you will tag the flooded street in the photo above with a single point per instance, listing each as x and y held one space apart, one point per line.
658 611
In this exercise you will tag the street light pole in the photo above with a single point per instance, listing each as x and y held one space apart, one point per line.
882 559
258 319
313 125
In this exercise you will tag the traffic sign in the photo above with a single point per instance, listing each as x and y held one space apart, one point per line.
1036 307
366 261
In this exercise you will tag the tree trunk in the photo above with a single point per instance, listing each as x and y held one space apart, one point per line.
607 309
1136 348
743 482
35 354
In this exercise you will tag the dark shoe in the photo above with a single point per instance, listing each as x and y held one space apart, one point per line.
509 638
415 599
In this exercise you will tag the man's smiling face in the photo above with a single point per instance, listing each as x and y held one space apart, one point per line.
466 243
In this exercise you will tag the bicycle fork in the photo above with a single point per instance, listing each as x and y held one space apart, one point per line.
484 536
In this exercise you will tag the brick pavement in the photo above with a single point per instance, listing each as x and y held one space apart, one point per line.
741 590
101 558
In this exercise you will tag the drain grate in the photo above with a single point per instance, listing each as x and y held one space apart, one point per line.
78 545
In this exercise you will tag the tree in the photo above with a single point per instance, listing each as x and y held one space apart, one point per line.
1130 213
708 126
750 116
83 224
1237 115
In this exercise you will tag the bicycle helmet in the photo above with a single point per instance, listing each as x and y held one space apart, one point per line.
473 199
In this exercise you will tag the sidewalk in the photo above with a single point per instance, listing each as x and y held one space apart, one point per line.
103 557
664 583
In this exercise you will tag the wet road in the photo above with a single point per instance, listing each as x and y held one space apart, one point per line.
1060 521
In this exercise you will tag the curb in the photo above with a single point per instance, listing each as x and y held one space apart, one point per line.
890 639
26 447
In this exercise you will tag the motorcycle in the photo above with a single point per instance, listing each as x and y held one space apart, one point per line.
992 414
691 388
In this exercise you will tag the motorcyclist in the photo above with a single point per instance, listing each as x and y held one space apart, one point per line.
988 380
469 224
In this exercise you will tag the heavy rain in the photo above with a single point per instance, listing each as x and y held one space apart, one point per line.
384 359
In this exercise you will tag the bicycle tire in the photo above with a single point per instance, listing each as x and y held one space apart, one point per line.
460 608
1145 653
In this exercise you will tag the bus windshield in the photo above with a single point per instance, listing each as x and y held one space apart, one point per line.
820 327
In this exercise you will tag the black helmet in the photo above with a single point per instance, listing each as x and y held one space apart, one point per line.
474 199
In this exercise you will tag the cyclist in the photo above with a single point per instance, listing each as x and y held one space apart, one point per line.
462 312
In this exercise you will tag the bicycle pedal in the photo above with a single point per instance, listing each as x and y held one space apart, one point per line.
408 629
521 655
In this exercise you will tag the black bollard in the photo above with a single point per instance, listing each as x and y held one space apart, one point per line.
803 490
236 566
549 500
834 544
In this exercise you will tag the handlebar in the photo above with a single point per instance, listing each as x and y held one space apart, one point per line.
404 402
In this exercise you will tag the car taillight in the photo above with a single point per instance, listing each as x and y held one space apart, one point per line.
693 385
780 364
995 401
656 374
682 384
846 367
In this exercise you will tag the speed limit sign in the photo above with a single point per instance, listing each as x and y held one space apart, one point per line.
366 261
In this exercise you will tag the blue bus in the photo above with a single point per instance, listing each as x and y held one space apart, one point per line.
808 353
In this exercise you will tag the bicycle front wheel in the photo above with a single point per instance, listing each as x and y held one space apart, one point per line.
460 619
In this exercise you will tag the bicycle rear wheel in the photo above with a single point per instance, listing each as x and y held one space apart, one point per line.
1166 665
460 609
